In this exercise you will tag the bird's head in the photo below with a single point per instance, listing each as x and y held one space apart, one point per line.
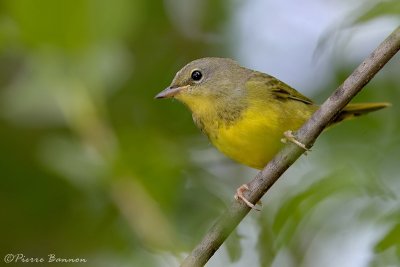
206 82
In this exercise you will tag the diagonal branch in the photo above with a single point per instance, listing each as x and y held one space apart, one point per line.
307 135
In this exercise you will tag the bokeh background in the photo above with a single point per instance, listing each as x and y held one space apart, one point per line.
93 167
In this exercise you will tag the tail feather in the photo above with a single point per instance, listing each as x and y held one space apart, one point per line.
358 109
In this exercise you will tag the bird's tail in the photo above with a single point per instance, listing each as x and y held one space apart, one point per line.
358 109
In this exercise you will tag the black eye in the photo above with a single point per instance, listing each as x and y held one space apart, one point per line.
196 75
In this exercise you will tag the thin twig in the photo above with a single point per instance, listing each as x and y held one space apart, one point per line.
307 135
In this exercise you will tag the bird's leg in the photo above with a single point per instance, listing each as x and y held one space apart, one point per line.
290 137
239 195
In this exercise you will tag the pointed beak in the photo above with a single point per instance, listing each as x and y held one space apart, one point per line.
169 92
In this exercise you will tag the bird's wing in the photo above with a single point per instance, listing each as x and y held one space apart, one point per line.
280 89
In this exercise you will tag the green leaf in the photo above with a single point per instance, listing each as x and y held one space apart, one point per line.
386 8
391 239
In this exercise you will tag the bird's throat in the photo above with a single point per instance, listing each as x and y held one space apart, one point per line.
211 118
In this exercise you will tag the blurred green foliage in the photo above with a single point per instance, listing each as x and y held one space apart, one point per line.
379 9
93 167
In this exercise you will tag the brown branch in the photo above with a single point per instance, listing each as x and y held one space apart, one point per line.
307 135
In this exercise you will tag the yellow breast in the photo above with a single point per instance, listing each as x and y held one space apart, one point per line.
252 140
254 136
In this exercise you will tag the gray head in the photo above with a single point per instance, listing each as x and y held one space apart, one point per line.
207 78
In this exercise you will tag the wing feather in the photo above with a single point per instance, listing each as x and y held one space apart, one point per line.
279 89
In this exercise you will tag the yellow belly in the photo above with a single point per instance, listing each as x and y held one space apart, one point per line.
254 139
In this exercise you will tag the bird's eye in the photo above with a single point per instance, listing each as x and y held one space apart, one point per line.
196 75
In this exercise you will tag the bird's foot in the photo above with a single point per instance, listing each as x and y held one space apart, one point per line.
290 137
239 195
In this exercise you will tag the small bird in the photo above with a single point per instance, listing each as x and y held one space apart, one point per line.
244 112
